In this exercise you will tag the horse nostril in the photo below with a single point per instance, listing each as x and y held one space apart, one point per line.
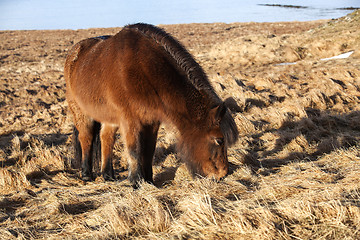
219 179
224 173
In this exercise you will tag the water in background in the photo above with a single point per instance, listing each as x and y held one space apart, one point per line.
77 14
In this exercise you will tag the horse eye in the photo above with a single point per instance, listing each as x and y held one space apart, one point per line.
219 141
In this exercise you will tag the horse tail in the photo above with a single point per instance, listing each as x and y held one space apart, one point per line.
95 147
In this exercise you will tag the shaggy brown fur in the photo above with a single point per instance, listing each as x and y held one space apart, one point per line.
135 80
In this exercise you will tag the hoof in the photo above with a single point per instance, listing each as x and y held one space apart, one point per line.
108 177
135 180
136 185
87 177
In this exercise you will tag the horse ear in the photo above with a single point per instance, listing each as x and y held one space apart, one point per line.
217 113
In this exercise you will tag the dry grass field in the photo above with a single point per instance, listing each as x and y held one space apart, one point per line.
294 173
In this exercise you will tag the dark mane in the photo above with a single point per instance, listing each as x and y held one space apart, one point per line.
193 70
183 58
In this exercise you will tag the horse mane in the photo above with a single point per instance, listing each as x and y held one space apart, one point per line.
183 58
193 70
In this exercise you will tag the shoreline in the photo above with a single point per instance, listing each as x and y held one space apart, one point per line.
165 25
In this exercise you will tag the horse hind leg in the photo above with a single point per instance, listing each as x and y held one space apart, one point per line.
76 162
86 133
141 147
107 137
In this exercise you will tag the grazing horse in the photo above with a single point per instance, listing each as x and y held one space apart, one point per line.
133 81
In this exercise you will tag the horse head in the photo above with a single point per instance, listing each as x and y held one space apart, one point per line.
206 146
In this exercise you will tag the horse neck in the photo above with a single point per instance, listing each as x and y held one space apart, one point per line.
192 120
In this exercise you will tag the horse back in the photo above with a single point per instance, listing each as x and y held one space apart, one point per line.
78 50
125 72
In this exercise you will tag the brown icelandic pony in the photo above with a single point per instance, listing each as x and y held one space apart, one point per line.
133 81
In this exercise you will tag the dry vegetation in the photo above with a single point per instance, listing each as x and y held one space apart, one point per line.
294 172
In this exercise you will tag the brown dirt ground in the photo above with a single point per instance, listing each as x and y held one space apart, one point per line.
294 171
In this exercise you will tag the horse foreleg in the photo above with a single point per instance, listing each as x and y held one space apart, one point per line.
141 147
148 137
107 136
